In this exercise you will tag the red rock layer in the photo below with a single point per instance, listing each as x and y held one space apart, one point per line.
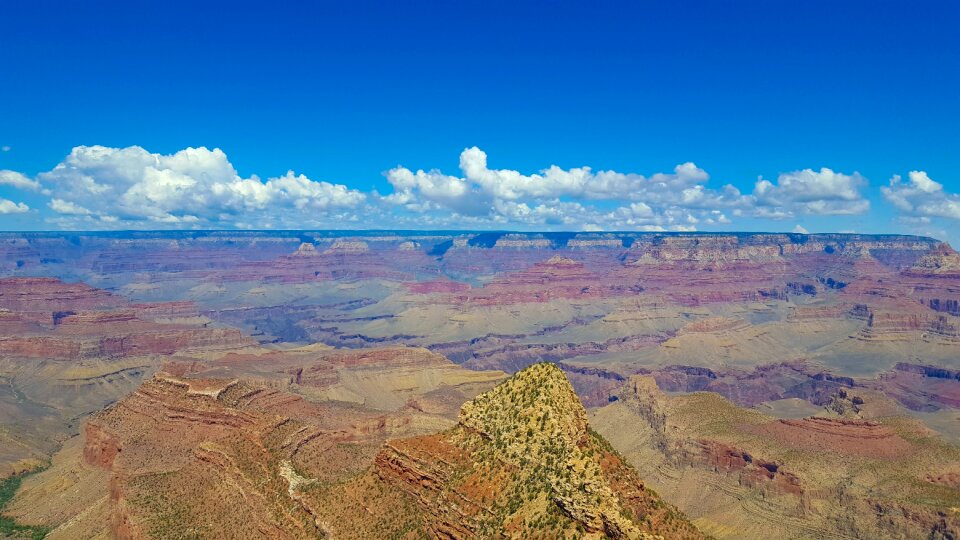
48 318
753 472
852 437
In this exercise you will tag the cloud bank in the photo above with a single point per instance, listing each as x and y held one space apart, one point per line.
97 187
678 200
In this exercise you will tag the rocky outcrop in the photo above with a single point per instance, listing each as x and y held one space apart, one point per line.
100 447
348 246
532 467
845 405
766 476
306 249
941 262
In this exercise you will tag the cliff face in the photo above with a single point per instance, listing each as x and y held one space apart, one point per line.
201 455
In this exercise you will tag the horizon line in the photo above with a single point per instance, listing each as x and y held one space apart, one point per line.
461 231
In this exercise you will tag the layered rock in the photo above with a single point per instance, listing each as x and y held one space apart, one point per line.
49 295
921 387
68 350
556 278
73 321
780 322
731 467
223 457
388 379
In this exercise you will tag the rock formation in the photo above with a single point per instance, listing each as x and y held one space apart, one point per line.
729 467
751 335
521 462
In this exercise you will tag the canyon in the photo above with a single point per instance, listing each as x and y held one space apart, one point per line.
802 384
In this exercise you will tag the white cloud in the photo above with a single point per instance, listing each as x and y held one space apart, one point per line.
822 192
800 229
921 197
10 207
556 196
673 200
61 206
5 148
103 187
422 191
551 183
18 180
192 187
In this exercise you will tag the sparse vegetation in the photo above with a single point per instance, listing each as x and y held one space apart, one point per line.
9 528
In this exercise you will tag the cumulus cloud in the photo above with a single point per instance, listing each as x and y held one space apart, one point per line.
18 180
103 187
61 206
822 192
192 187
10 207
564 197
675 200
921 197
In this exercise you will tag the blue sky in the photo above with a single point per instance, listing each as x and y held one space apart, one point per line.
355 98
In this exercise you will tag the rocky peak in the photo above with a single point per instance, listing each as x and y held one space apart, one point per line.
557 260
536 405
306 249
535 423
942 260
844 405
644 396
